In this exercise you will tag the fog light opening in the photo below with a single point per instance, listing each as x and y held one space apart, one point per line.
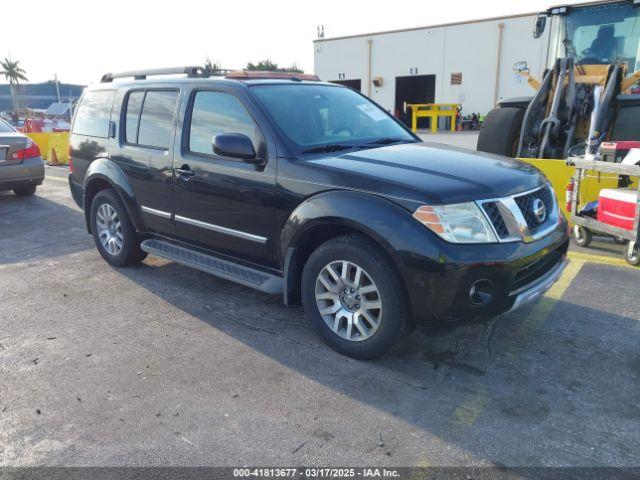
481 292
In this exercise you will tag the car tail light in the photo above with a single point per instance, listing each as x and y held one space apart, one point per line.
30 150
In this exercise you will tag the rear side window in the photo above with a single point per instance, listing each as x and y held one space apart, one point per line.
133 108
214 113
93 113
156 119
5 127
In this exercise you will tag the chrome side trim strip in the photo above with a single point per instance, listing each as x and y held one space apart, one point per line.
153 211
219 229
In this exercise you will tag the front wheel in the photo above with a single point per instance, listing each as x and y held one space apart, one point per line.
632 254
354 297
582 236
113 233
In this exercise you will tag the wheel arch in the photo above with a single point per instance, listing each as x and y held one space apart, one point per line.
329 215
102 174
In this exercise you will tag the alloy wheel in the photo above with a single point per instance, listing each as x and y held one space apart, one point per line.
348 300
109 229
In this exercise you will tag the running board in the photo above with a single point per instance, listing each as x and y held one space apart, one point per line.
246 276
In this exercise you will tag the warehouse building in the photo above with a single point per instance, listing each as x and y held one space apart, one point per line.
470 63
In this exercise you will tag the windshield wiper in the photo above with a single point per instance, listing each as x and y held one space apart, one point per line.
331 147
386 141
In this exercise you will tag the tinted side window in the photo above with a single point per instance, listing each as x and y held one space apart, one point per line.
156 120
94 111
214 113
133 107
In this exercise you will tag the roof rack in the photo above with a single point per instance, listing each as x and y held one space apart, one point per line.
264 75
204 72
191 72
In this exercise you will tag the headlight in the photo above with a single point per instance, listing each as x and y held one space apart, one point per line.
459 223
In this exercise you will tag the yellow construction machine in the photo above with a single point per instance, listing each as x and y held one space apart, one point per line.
588 93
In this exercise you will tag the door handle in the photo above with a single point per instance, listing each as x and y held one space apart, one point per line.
185 171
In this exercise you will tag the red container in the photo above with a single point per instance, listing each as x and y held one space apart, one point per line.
617 207
616 151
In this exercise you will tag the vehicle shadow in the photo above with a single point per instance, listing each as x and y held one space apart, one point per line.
30 228
543 386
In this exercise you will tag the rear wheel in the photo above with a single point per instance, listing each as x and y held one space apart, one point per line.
25 191
113 233
354 297
582 236
500 132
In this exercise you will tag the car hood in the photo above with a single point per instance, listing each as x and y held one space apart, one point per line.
429 172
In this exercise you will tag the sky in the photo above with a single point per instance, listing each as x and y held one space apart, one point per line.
81 40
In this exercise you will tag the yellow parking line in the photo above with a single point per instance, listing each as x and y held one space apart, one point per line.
470 409
474 404
601 259
539 314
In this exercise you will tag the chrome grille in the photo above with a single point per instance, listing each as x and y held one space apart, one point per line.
492 211
513 218
526 204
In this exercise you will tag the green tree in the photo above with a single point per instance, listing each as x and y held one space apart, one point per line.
13 73
269 66
212 66
263 65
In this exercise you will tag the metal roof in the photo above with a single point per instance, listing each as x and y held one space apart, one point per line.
58 109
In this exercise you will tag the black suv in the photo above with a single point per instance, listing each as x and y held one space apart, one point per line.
310 190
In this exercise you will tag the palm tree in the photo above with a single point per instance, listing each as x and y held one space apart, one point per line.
13 73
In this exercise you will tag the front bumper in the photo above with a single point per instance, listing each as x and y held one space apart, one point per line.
534 290
16 175
439 276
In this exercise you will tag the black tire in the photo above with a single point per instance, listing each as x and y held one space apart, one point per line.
500 132
395 321
632 255
582 236
130 252
25 191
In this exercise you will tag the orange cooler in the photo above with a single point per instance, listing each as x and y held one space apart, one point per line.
617 207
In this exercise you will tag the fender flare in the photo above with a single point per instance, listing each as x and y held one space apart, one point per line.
341 211
104 170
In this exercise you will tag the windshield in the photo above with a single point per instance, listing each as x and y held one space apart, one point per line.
323 115
602 34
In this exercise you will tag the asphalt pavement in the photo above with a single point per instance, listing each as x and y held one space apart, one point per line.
163 365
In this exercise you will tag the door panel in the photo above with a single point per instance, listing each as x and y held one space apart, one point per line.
145 154
225 204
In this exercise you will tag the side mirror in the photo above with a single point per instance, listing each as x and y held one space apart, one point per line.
541 24
234 145
521 68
